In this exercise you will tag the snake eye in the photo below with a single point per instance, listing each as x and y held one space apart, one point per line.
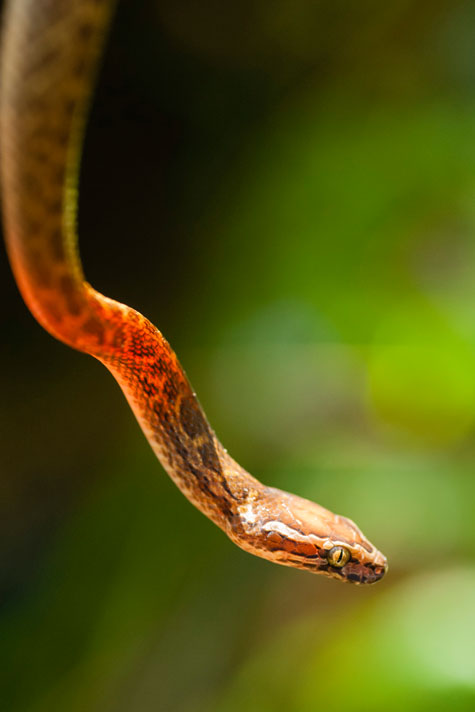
338 556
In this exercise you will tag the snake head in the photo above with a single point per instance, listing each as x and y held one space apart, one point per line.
295 532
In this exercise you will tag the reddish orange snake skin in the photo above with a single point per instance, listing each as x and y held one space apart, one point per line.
51 51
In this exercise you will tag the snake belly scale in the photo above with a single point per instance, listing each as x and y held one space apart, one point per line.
50 56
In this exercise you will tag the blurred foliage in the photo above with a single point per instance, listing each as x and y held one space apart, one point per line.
286 189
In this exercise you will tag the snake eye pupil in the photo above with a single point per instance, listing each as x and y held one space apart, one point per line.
338 556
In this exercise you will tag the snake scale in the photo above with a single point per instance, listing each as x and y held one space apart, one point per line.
50 58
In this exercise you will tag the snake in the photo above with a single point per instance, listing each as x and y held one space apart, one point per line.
51 56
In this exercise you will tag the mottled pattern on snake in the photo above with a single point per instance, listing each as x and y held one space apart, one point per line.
51 53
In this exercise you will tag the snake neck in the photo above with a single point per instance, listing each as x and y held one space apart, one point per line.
169 413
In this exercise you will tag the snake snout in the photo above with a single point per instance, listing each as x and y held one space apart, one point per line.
380 571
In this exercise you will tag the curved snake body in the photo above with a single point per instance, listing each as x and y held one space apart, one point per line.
51 51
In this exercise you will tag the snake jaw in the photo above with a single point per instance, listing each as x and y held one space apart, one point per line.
360 573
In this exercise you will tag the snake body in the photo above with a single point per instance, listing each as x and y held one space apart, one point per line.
51 53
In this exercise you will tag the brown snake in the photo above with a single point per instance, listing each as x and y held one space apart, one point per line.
51 52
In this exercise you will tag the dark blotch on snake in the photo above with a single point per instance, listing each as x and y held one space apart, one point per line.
192 418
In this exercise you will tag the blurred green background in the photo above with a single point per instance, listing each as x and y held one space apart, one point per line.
287 190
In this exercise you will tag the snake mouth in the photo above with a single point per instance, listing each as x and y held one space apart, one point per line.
378 573
364 574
